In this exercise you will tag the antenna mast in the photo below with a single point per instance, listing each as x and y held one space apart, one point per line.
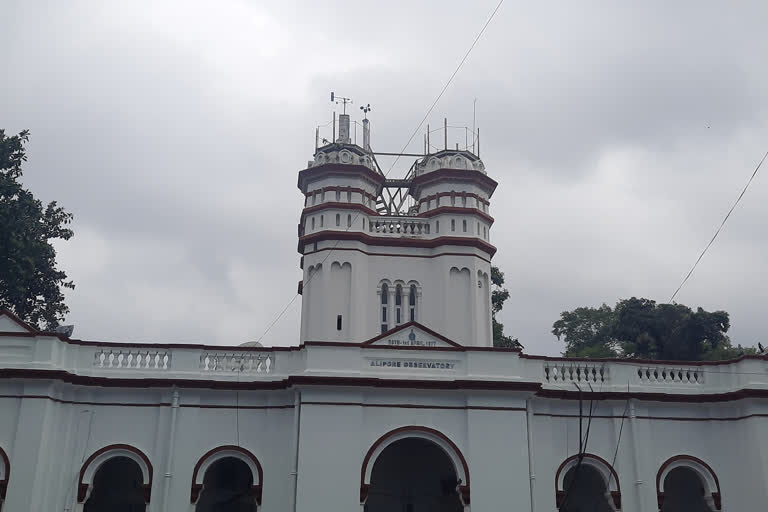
342 100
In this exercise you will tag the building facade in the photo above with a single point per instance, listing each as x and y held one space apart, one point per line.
393 399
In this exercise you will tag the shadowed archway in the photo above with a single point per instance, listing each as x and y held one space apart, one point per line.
413 475
117 487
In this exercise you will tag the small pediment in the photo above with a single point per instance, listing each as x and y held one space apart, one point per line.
412 334
11 323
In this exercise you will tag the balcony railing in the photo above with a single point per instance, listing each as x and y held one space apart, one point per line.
398 226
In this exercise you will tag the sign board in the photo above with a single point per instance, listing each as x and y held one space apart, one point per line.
411 337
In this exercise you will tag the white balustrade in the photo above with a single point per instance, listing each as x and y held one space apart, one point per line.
244 362
670 375
129 358
398 226
575 372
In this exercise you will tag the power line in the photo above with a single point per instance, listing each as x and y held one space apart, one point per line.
418 127
719 228
445 87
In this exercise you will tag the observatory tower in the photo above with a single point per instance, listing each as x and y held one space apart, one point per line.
379 252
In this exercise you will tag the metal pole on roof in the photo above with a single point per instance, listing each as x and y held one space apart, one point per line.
445 131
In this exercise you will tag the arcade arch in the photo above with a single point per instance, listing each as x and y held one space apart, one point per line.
5 473
116 478
414 469
687 484
227 479
591 484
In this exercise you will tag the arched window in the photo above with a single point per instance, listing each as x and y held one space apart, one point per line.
349 220
437 226
478 229
587 482
686 483
414 469
117 485
485 232
384 312
313 223
463 200
117 477
321 221
412 303
5 471
464 225
363 223
398 305
314 198
338 220
349 196
453 224
227 479
453 199
338 196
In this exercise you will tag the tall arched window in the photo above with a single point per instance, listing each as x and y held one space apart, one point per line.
464 225
338 196
313 223
321 221
412 304
349 196
384 301
453 223
338 220
437 226
349 220
398 305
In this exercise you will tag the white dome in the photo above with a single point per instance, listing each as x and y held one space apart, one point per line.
251 344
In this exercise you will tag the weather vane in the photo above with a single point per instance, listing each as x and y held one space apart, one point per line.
341 100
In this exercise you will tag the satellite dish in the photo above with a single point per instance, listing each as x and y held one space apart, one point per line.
65 330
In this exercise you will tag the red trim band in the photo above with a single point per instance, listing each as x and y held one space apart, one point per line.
429 243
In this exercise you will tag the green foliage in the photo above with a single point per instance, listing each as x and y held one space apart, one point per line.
30 283
642 329
498 295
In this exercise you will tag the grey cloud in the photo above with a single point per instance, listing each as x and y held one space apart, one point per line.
620 134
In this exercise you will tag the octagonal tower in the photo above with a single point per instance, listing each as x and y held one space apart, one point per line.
369 269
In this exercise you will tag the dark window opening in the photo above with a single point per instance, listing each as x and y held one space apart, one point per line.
338 322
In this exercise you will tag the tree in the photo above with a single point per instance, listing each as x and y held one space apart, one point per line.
587 332
30 284
498 295
642 329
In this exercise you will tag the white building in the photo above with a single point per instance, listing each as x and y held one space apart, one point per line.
394 399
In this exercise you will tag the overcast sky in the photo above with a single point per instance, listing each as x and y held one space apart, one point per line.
620 133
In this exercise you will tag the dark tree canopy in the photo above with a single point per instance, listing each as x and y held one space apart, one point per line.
642 329
30 283
498 295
